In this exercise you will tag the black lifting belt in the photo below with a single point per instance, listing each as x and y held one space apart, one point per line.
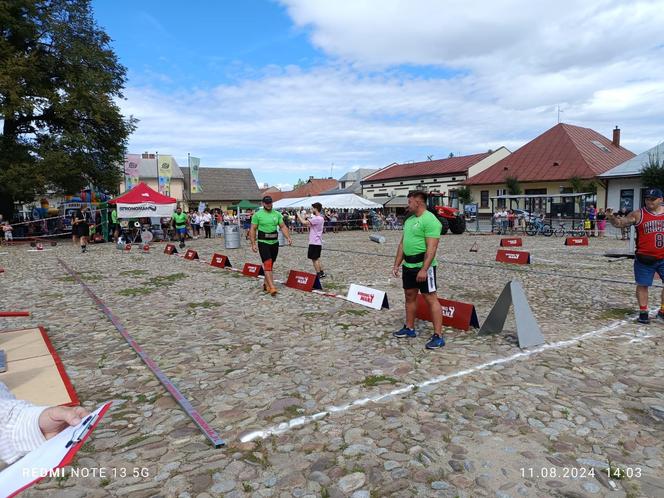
415 258
269 236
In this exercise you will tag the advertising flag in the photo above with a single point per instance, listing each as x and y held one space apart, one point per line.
131 175
165 174
194 165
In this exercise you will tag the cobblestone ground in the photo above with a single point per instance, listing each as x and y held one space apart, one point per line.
539 425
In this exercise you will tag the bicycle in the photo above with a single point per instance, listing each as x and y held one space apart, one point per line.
575 231
537 226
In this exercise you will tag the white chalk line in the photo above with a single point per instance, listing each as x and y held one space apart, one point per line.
300 421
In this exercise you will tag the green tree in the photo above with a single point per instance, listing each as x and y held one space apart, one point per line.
652 172
299 183
465 196
513 186
59 86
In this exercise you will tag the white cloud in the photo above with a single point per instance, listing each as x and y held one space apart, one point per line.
516 61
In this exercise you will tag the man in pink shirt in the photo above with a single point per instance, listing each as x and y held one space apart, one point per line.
316 224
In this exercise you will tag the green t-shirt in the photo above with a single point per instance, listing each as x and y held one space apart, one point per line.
180 220
416 229
114 216
267 221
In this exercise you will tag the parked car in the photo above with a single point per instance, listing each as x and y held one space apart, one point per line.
525 214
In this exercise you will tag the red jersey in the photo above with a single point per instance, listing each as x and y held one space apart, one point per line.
650 234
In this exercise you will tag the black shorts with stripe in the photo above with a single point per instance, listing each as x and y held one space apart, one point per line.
268 251
409 279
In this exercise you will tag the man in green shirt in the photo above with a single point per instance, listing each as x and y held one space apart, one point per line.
417 252
180 223
263 229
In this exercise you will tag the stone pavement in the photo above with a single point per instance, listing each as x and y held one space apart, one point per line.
541 425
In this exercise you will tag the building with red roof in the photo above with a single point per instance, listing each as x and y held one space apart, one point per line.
394 181
546 164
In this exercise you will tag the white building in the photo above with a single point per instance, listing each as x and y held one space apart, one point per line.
624 186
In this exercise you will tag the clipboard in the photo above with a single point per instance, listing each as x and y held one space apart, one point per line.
54 454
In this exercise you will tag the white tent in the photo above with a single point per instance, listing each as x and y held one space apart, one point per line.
337 201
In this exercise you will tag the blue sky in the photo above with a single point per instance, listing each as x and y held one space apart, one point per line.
291 88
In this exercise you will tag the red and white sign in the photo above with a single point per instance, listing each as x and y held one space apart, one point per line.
366 296
456 314
576 241
220 261
514 242
146 248
514 257
170 249
40 246
252 270
303 281
128 247
190 254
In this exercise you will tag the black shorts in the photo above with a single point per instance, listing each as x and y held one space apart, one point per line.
409 279
268 251
314 252
81 230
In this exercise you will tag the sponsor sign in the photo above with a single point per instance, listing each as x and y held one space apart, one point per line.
366 296
220 261
514 257
190 254
303 281
513 242
456 314
252 270
576 241
170 249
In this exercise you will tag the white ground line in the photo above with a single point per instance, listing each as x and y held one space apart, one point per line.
300 421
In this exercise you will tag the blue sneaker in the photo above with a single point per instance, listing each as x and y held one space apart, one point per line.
405 332
643 317
435 342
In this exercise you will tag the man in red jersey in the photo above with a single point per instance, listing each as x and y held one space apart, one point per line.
649 255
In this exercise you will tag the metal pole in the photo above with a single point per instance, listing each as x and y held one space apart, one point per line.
157 159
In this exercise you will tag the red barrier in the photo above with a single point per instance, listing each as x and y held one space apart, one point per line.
303 281
514 257
252 270
513 242
220 261
190 255
576 241
14 313
456 314
128 247
146 248
170 249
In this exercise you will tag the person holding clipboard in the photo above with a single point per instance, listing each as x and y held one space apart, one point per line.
80 227
24 426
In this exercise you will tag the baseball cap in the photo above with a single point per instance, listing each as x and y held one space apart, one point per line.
267 199
655 193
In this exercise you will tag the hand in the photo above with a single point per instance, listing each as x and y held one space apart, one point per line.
421 275
254 247
290 241
395 270
56 418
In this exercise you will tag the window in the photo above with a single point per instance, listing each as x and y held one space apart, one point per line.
627 199
538 203
484 199
501 203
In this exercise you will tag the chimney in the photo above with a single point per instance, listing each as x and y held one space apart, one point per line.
616 137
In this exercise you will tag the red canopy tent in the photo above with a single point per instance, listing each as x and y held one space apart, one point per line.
144 202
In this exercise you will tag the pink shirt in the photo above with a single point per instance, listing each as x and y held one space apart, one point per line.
316 230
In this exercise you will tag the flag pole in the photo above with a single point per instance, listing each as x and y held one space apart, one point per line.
157 159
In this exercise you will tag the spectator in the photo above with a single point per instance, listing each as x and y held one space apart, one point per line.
601 222
24 426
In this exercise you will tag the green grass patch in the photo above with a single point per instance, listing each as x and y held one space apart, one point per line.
354 312
616 313
374 380
135 440
166 280
133 273
203 304
135 291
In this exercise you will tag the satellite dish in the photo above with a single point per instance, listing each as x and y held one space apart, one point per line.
146 236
